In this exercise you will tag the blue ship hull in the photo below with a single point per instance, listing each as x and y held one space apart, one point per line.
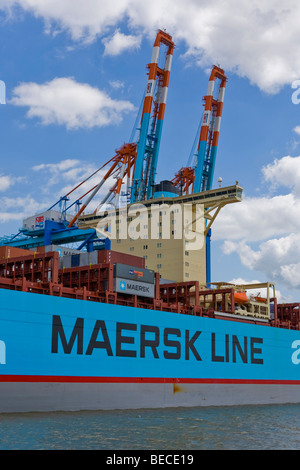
65 354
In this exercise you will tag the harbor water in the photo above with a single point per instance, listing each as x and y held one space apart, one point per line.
272 427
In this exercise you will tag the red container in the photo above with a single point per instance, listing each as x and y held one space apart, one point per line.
109 256
12 252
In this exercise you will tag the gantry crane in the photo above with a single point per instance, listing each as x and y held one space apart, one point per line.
137 161
152 119
120 166
197 178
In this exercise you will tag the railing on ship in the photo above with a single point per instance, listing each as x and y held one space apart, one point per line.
39 273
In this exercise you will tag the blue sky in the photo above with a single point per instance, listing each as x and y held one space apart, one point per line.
75 72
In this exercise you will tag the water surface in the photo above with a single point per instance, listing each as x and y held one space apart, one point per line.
213 428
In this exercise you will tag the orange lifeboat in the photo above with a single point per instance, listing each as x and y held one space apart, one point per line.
240 297
261 299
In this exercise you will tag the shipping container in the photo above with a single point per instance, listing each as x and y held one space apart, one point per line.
62 250
132 287
133 273
108 256
12 252
75 260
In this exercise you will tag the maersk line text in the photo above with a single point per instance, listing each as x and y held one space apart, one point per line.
133 340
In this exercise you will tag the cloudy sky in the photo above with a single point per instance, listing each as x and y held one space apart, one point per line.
75 73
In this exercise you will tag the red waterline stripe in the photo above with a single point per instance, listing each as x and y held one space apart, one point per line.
74 379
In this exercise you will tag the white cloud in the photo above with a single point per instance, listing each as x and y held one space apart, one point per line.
271 253
284 172
6 181
259 41
273 222
256 219
117 84
259 218
278 259
18 208
67 175
66 102
119 42
57 167
83 19
69 170
54 180
291 274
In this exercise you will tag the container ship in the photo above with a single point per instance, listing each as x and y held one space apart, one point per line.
110 335
136 322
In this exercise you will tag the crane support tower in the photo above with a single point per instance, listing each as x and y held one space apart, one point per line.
209 133
152 119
